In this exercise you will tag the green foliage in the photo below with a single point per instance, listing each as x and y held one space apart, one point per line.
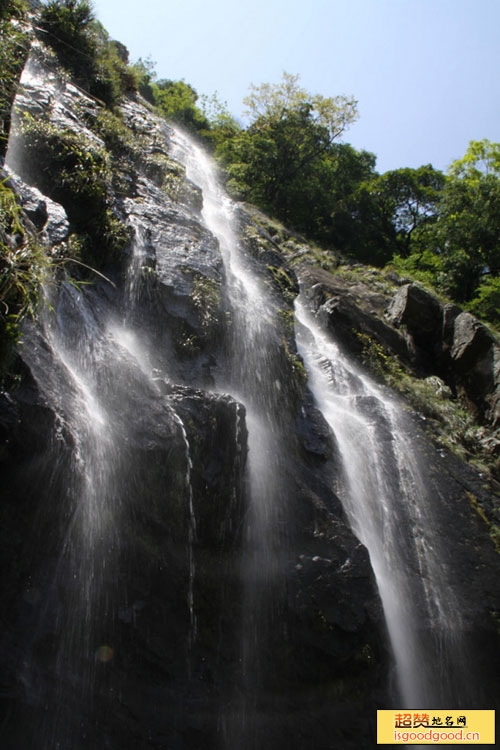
70 168
13 9
117 137
24 266
468 231
383 366
206 299
287 287
143 73
68 27
452 240
271 102
83 47
110 77
75 172
287 161
482 158
486 303
426 267
14 45
408 200
176 100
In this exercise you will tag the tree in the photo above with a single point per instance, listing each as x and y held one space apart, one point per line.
482 158
281 159
409 199
68 25
272 102
176 100
468 229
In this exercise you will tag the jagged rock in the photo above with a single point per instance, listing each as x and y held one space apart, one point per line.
349 310
48 217
471 341
452 344
450 313
419 311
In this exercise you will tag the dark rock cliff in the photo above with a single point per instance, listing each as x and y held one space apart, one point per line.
129 634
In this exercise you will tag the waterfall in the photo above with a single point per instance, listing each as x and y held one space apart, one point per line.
251 376
389 504
191 578
93 366
92 373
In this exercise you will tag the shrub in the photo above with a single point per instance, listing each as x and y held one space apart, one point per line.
72 170
486 303
83 47
69 168
176 100
24 266
69 31
14 44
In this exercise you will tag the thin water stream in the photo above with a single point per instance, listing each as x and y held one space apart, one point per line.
249 377
384 491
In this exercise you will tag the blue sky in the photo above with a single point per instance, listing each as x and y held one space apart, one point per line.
426 73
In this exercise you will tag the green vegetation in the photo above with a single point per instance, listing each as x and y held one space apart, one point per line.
14 44
74 171
452 424
99 65
69 167
456 249
24 266
176 100
287 152
206 298
287 287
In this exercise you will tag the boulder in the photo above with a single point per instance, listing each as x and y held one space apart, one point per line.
48 217
419 311
349 310
471 341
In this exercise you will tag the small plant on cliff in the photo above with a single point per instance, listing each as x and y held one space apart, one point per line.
14 45
383 366
73 170
206 298
24 267
69 167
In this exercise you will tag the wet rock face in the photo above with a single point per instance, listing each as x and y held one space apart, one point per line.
48 217
429 337
147 623
452 344
154 656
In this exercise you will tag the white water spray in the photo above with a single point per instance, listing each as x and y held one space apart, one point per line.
389 507
249 378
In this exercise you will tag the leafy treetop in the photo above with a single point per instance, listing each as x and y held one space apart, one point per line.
276 101
482 158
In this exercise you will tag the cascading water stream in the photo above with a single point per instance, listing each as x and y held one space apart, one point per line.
390 509
250 379
92 364
180 602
